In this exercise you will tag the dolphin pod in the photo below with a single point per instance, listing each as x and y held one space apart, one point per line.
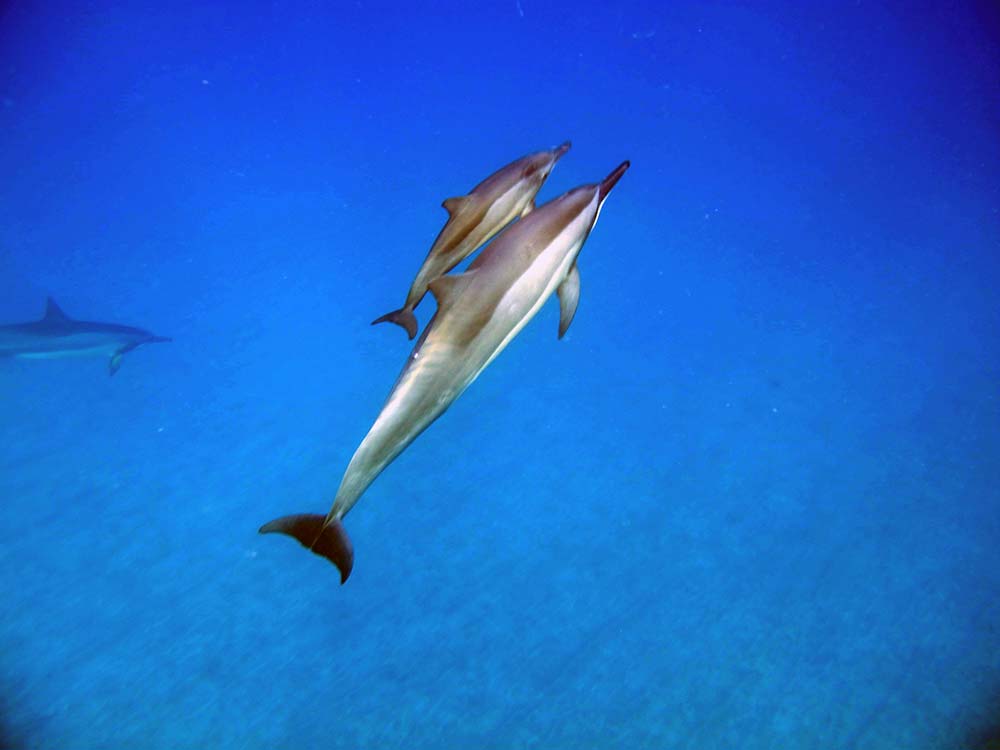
474 219
478 313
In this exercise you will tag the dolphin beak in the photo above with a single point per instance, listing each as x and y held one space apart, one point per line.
560 150
611 180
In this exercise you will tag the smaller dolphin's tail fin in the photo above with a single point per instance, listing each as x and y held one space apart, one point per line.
326 538
403 317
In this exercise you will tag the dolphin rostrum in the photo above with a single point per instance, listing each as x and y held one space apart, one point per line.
56 335
474 219
478 313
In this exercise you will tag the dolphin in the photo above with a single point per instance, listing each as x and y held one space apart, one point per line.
478 314
57 335
474 219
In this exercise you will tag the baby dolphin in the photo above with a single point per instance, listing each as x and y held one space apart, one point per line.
57 335
474 219
478 314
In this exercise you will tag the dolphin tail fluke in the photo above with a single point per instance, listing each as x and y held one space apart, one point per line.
403 317
326 538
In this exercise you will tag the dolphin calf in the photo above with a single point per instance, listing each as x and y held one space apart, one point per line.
474 219
56 335
478 314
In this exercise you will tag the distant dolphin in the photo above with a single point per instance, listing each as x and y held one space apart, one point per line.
56 336
474 219
478 313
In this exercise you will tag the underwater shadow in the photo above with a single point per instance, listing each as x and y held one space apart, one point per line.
987 739
10 739
986 736
14 734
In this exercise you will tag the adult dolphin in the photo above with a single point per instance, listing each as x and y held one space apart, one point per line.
478 313
57 335
474 219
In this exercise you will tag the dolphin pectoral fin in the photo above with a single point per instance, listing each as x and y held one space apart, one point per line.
569 298
528 208
326 538
454 205
402 317
116 358
447 288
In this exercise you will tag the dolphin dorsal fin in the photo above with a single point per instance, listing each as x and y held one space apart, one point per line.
53 312
454 205
446 288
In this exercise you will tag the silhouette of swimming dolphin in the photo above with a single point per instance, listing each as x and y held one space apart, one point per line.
56 335
478 314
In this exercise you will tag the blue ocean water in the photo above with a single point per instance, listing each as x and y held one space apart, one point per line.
751 499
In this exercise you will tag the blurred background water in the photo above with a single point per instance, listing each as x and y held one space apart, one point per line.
750 501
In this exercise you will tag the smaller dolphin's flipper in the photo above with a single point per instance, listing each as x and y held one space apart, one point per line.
569 298
326 538
402 317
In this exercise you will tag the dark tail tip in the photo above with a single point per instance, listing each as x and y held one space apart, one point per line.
327 540
612 179
561 149
403 317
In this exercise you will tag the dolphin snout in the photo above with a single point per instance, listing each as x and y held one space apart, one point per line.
612 179
561 149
